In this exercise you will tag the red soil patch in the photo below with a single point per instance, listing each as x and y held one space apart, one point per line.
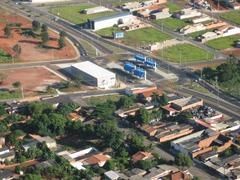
33 79
30 46
232 51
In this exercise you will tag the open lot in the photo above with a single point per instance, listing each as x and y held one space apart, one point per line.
184 53
173 7
30 49
138 37
33 79
73 13
172 23
224 42
232 16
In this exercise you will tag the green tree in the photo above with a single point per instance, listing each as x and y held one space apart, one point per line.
44 28
111 164
2 110
61 39
17 49
7 31
78 80
145 164
164 100
125 102
17 84
157 114
195 178
44 37
36 25
143 116
3 128
37 108
61 42
105 110
183 160
62 34
32 177
52 124
66 109
136 143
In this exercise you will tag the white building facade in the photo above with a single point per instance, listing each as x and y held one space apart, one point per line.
110 21
94 75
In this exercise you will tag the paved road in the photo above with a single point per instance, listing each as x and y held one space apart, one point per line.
217 103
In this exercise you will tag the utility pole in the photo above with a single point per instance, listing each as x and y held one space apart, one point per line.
216 79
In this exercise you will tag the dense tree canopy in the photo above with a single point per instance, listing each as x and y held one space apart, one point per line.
227 75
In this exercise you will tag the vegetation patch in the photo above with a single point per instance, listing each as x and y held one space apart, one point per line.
184 53
224 42
227 76
173 7
232 16
73 13
199 33
9 95
138 37
102 99
4 57
172 23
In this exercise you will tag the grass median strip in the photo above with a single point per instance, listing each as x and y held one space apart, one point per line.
184 53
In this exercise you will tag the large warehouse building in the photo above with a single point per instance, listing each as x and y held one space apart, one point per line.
109 21
93 74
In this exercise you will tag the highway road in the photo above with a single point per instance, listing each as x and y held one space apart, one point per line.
215 102
181 71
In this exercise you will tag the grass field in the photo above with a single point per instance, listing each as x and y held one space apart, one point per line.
173 7
196 34
138 37
9 95
224 42
4 57
171 23
72 13
232 16
184 53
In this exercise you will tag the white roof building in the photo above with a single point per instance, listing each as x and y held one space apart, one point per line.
93 74
94 10
110 21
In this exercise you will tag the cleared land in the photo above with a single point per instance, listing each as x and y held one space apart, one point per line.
33 79
232 16
171 23
73 13
138 37
224 42
30 49
184 53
